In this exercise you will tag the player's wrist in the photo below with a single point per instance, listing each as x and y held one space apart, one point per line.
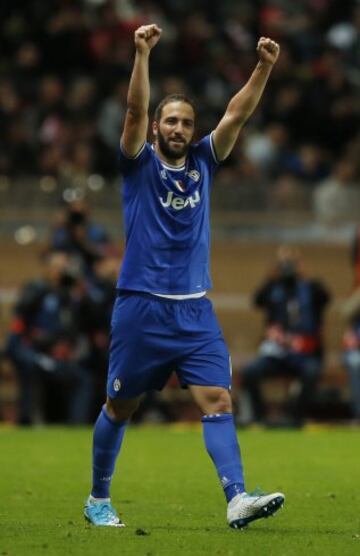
265 64
143 52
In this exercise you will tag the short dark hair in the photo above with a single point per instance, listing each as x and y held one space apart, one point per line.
174 97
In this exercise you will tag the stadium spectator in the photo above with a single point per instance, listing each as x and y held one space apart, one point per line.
111 115
286 193
268 149
48 343
75 234
293 306
338 195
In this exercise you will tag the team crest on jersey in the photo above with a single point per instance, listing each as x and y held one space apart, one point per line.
194 175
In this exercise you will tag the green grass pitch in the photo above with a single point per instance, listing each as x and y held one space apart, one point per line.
168 495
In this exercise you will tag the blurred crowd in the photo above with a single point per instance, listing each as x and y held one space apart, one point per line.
59 334
65 65
292 344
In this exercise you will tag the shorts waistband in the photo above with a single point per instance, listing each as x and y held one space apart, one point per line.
164 300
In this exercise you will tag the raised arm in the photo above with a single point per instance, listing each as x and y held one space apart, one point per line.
243 104
137 119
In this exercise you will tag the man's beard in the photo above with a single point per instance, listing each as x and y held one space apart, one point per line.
165 148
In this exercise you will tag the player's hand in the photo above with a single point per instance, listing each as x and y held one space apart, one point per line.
268 50
146 37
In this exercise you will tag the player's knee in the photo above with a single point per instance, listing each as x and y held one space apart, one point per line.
121 410
224 402
218 400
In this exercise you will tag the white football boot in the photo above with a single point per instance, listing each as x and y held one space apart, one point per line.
244 507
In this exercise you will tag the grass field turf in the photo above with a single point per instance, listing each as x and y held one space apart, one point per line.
169 497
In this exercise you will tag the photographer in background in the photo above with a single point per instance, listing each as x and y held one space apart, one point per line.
48 342
293 306
75 234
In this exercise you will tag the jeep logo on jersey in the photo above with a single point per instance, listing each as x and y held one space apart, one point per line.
179 203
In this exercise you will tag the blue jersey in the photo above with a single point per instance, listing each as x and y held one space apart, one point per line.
167 226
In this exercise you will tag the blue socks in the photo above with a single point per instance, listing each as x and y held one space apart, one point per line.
220 441
222 445
108 436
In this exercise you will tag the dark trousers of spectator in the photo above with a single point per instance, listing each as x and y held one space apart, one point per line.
352 364
306 369
73 382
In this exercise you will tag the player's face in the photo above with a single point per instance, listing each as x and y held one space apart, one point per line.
175 130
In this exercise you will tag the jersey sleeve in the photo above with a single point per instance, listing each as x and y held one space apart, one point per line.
129 164
205 149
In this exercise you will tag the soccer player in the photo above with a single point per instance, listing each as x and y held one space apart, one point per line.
162 320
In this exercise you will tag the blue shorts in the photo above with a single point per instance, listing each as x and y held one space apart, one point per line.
151 337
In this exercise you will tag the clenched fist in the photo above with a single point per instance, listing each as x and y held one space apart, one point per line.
146 37
268 50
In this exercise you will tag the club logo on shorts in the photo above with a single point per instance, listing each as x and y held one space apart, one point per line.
116 384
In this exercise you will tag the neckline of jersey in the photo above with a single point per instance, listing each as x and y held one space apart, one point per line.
169 166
